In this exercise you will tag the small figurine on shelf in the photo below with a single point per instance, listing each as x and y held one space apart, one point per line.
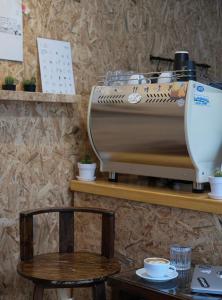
9 84
86 169
29 85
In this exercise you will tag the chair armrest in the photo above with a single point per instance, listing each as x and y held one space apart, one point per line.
65 209
66 229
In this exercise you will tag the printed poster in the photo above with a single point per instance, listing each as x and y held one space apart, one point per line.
56 66
11 30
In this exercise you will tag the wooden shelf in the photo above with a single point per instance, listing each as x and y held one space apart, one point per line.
37 97
159 196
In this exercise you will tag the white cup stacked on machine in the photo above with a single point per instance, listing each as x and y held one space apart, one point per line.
166 77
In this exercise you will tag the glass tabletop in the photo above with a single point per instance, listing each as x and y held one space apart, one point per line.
180 286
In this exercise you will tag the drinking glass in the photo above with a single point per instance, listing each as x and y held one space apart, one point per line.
118 77
180 257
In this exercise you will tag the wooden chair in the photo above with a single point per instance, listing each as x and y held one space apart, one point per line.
66 268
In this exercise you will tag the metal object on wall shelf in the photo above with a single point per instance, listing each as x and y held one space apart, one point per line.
170 130
171 60
196 71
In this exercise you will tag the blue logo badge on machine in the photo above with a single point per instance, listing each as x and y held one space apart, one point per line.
200 88
201 100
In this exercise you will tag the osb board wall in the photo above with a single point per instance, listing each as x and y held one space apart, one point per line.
144 230
108 35
41 142
38 149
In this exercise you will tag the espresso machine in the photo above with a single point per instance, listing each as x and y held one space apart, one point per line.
165 130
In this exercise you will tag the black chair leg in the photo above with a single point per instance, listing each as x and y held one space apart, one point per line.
38 293
99 291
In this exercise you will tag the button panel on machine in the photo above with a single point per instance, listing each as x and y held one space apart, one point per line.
150 93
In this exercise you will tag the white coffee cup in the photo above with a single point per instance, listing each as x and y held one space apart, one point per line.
137 79
157 267
165 77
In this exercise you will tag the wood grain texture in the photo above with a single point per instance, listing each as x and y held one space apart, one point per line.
158 196
38 293
72 269
108 235
66 229
66 232
99 292
37 97
26 237
65 209
146 230
38 149
122 34
40 143
67 269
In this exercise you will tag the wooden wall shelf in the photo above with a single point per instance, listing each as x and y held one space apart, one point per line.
151 195
37 97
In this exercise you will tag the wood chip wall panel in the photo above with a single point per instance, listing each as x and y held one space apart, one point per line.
39 143
38 149
108 35
144 230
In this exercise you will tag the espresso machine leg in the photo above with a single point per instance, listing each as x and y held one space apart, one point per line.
198 187
113 176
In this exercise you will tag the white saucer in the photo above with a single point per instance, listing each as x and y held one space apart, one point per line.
212 196
86 179
143 274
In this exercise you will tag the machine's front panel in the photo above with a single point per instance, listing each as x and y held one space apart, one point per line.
141 124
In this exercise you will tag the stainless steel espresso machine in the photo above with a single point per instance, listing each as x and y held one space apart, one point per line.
168 130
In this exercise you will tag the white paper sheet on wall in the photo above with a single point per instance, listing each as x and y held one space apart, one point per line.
56 66
11 30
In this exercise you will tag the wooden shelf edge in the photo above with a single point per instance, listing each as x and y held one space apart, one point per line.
158 196
38 97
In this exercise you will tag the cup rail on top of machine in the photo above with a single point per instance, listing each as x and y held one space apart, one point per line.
124 78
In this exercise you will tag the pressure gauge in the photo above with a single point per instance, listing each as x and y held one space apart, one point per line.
134 98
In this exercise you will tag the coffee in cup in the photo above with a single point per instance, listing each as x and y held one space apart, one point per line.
157 267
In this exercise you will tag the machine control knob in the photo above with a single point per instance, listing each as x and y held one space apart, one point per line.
134 98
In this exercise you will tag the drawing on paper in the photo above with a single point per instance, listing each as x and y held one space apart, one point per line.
56 66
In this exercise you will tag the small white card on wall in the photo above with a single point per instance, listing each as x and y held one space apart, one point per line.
56 66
